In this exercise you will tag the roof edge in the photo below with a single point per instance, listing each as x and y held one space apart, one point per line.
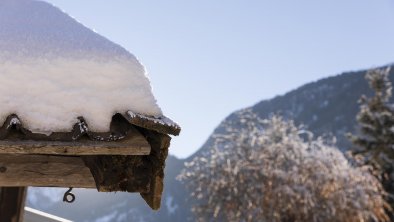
161 124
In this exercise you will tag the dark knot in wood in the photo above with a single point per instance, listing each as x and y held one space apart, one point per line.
3 169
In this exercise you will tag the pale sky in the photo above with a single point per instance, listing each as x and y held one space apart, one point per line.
207 58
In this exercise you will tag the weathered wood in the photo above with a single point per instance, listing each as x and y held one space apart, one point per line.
159 144
73 148
144 174
161 125
12 203
119 173
13 128
44 171
135 144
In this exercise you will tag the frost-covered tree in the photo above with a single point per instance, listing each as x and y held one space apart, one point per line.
272 170
376 120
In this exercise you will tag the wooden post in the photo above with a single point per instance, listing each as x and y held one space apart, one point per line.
12 203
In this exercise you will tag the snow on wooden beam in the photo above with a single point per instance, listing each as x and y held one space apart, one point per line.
135 144
44 171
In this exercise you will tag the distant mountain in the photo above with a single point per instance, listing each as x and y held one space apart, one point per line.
326 106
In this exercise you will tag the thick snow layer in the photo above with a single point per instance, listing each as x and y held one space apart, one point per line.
53 70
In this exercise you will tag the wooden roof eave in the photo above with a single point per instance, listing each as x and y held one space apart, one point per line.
160 124
15 139
139 158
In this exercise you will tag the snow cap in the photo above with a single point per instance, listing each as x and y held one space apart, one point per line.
54 70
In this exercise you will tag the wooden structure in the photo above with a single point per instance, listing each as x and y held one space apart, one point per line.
131 158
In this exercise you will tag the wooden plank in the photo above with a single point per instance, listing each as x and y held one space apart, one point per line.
73 148
12 203
160 144
120 173
44 171
134 144
162 124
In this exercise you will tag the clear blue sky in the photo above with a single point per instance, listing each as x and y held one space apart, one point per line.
208 58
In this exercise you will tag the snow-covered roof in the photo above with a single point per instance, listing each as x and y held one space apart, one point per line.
54 70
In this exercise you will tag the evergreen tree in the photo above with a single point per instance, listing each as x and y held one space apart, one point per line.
376 120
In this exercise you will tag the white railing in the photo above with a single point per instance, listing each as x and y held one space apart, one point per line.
32 215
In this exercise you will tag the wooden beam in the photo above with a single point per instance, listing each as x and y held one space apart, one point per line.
160 144
134 144
144 174
120 173
44 171
12 203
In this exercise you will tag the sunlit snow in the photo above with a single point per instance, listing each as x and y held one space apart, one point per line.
53 70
